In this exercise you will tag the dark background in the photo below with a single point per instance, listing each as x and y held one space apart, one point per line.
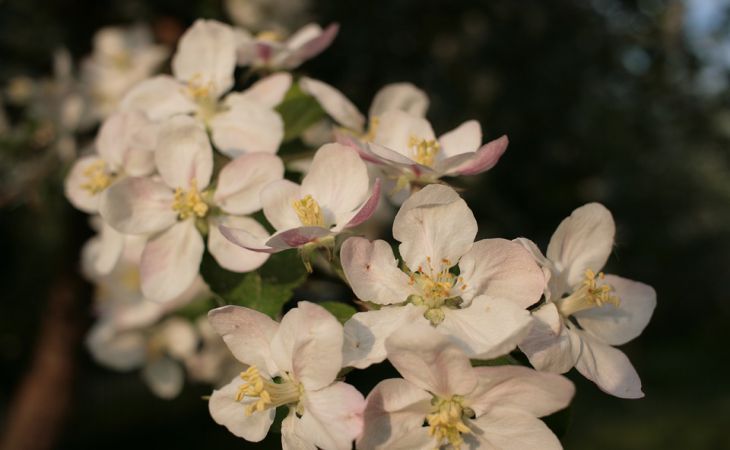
620 102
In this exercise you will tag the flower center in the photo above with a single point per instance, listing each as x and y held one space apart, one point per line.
308 211
270 36
267 394
189 203
369 135
446 420
424 150
97 178
589 295
436 290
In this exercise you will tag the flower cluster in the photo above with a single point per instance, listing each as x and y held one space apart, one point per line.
188 183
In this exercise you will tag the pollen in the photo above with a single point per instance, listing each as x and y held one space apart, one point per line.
97 177
589 295
265 393
270 36
424 150
308 211
198 89
189 203
446 421
436 290
373 125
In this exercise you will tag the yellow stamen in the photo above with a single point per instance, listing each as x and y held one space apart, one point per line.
308 211
424 150
446 421
436 290
369 135
589 295
190 203
267 394
97 177
270 36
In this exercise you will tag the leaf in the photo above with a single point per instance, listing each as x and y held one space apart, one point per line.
299 111
342 311
506 360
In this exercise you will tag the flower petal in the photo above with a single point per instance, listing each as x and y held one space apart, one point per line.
277 199
126 140
184 154
364 212
138 206
247 127
244 239
164 377
309 44
230 413
122 351
296 237
508 430
609 368
333 416
486 157
619 325
396 128
401 96
550 346
171 261
102 252
466 138
229 255
269 91
293 434
81 198
240 182
334 103
159 98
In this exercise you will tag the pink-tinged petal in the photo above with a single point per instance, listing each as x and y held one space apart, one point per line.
466 138
102 252
159 98
435 228
333 416
503 269
293 434
347 139
395 408
399 96
429 360
334 103
277 199
230 413
545 264
247 127
609 368
373 271
617 325
247 333
503 429
484 159
310 47
296 237
138 206
184 154
244 239
268 91
337 179
396 128
388 156
122 351
550 346
582 241
489 327
206 56
241 181
521 389
165 377
229 255
126 140
171 261
366 211
308 344
81 198
366 332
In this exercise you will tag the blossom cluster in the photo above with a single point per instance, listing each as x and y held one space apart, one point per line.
199 162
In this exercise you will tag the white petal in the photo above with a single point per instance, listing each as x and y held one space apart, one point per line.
401 96
171 261
609 368
334 103
466 138
550 346
229 255
293 434
366 332
307 44
277 199
296 237
246 240
521 389
101 253
333 416
206 54
509 430
435 228
184 154
396 128
361 214
247 333
394 408
618 325
138 206
373 272
240 182
159 97
81 198
247 127
503 269
269 91
120 351
487 328
582 241
165 377
127 140
179 337
309 344
230 413
430 361
486 157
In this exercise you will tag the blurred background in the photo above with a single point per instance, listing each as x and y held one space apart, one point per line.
621 102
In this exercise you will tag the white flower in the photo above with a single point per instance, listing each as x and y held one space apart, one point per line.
203 72
270 50
490 408
124 146
334 195
172 206
482 309
266 14
213 363
587 312
293 364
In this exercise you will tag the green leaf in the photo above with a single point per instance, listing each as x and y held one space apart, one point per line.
506 360
342 311
299 111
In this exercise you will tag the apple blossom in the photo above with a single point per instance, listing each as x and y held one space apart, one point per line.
482 309
293 364
444 402
586 312
266 14
270 50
